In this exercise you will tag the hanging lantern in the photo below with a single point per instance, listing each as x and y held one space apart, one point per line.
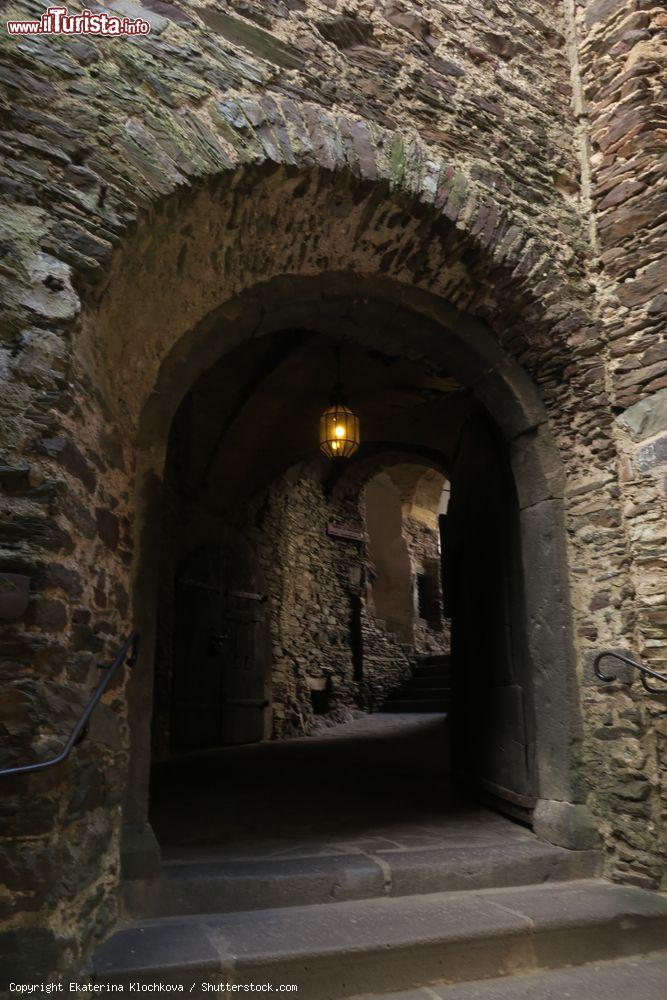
339 426
339 431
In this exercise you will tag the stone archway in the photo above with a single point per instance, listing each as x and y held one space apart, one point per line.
356 248
460 200
422 326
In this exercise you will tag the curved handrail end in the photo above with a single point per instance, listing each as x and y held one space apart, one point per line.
641 667
128 653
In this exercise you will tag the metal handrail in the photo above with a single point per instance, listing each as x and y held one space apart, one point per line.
128 652
644 670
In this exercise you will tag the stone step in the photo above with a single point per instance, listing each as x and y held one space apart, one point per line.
423 693
429 680
431 671
416 705
428 658
228 886
342 949
642 978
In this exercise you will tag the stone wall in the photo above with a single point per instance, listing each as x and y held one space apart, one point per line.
432 635
622 60
387 662
310 579
417 493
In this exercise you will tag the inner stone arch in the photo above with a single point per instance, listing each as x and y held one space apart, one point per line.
501 426
404 499
223 240
358 257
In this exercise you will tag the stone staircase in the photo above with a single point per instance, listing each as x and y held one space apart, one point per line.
342 864
427 690
512 918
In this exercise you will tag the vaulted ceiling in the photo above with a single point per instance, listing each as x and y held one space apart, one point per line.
256 412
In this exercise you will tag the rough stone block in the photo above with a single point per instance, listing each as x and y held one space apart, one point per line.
566 824
652 456
647 417
140 852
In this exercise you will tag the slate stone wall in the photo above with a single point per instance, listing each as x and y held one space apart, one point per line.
310 579
148 182
432 636
622 54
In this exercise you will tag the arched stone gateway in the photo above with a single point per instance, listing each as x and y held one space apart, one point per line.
404 322
340 255
147 240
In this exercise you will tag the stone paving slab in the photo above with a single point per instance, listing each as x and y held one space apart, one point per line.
511 863
226 886
378 945
456 826
637 978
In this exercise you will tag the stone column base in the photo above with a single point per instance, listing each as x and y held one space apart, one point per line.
140 855
565 824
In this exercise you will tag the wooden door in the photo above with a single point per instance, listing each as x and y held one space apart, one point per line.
244 700
219 683
493 732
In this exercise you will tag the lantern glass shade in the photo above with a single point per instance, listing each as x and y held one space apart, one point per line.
339 431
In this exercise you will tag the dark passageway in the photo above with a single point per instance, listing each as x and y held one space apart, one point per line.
391 583
327 843
296 590
362 812
366 781
363 809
